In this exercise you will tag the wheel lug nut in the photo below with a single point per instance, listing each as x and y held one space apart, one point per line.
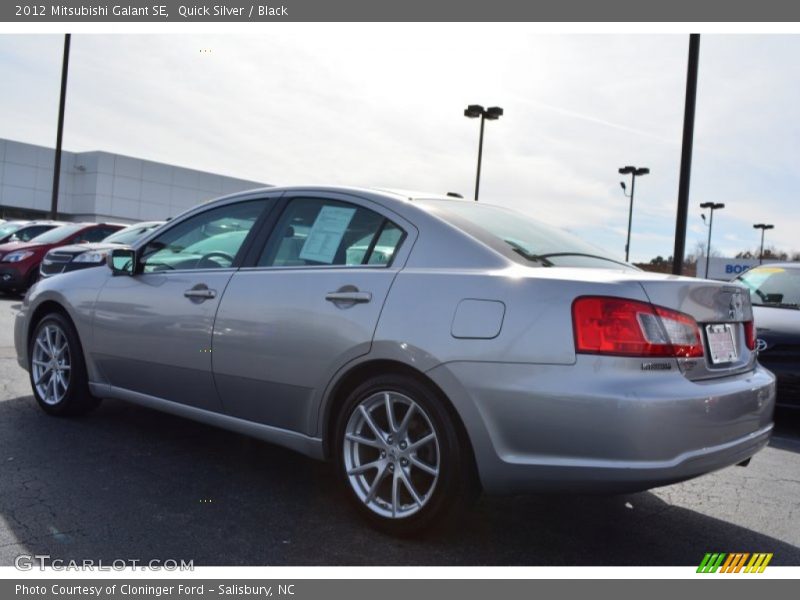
389 440
383 453
404 462
403 445
391 467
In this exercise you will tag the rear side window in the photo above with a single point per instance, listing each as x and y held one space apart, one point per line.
313 232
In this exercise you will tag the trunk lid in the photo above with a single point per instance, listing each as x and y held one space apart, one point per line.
720 309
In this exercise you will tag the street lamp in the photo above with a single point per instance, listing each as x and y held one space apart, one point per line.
634 173
763 227
492 113
713 206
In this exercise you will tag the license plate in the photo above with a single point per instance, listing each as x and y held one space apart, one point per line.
721 343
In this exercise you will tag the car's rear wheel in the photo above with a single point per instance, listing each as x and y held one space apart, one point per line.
57 368
400 457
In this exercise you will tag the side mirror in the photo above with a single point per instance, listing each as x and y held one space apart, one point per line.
121 261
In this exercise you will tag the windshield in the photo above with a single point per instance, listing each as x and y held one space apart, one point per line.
58 234
7 228
773 286
529 239
130 234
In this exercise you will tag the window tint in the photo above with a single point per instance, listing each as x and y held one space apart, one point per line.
56 235
28 233
95 234
315 232
388 241
209 240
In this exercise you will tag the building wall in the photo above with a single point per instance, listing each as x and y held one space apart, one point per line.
100 186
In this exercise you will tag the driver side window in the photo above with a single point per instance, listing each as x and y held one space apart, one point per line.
210 240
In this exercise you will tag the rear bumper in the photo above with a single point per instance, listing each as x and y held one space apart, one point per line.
604 425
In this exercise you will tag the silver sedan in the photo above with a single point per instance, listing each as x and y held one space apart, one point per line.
430 347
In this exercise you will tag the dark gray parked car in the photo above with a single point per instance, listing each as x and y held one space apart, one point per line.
426 345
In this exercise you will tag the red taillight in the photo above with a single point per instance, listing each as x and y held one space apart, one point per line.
631 328
750 335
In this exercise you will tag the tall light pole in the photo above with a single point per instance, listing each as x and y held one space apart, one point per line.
686 154
634 173
763 227
60 130
713 206
492 114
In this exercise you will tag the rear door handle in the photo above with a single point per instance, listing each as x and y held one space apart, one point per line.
200 292
348 297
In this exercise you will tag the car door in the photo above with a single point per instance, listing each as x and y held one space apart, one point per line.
308 304
152 330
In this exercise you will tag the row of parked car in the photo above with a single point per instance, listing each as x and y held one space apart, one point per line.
30 250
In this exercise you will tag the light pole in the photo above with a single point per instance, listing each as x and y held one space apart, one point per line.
492 114
634 173
60 129
763 227
713 206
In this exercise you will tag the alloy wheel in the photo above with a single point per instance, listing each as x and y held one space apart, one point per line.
51 364
391 454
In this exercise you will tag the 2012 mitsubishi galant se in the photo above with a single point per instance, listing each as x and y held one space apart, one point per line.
429 346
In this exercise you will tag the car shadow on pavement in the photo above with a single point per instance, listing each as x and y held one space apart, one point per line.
131 483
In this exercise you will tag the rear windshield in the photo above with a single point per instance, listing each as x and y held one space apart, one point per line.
773 286
521 237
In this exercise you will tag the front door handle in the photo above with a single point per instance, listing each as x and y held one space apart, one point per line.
200 292
354 297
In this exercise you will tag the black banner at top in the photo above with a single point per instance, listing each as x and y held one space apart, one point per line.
154 11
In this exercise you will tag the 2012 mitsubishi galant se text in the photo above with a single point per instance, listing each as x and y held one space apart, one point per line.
429 346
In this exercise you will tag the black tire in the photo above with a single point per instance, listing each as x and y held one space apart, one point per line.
455 486
76 399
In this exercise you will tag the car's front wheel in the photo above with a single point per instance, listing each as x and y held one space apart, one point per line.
400 457
57 368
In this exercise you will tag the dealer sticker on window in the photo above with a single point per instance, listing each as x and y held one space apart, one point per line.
721 343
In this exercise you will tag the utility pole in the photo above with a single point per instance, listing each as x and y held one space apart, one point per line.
60 134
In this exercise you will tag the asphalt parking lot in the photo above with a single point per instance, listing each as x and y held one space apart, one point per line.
131 483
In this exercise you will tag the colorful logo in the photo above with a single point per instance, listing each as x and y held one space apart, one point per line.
735 562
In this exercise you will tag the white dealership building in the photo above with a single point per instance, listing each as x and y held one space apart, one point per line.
101 186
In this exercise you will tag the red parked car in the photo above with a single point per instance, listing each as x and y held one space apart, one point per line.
19 261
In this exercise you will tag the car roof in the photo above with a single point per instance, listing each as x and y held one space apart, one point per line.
387 194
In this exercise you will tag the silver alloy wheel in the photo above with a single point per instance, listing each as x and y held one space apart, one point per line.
391 454
51 364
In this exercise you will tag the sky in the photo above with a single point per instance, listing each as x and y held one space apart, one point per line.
381 105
